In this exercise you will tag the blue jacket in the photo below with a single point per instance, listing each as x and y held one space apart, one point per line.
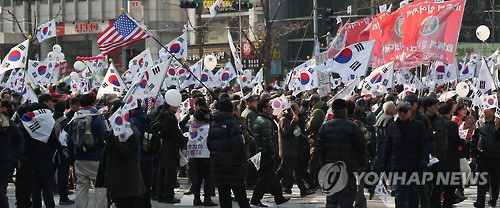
98 126
138 119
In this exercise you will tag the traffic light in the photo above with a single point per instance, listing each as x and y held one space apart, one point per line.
244 5
190 4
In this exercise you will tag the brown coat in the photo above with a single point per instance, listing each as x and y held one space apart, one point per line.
288 143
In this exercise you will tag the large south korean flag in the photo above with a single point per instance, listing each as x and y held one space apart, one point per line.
351 62
39 124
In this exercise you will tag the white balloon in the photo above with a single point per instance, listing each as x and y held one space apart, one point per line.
247 73
463 89
74 76
79 65
56 48
173 98
50 55
483 32
62 56
210 62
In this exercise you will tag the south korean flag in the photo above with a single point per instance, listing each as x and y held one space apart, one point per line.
177 47
16 58
46 30
279 104
353 60
39 124
41 71
120 124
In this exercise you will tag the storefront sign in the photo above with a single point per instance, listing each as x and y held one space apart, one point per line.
86 27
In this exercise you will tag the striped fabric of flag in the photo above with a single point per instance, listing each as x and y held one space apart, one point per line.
122 32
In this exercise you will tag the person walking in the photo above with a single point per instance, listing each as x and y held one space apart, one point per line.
486 154
228 156
265 134
406 152
340 140
86 156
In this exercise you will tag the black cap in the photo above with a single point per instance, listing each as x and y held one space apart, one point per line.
251 98
225 105
46 97
361 102
339 104
428 101
411 98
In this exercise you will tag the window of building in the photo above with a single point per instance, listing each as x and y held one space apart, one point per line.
45 1
19 3
6 3
69 0
82 0
56 1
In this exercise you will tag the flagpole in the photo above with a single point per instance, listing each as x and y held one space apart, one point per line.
185 67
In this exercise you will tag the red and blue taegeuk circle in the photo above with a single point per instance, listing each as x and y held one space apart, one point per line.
466 70
143 83
491 101
440 69
141 62
305 78
376 79
42 69
194 134
28 116
224 76
171 72
344 56
175 48
114 80
204 78
119 120
14 55
45 30
277 104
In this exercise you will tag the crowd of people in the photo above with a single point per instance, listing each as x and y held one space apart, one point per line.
381 134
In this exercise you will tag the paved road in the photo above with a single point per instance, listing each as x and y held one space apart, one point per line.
316 200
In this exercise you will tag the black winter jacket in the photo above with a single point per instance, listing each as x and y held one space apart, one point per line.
11 148
227 149
486 140
406 147
341 140
266 138
440 137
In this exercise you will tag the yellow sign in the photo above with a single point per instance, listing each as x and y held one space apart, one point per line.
225 4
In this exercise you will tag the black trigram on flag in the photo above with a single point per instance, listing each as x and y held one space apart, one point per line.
35 64
22 47
354 66
482 84
35 126
359 47
156 70
104 85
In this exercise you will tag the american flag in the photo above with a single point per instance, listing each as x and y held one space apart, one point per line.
122 32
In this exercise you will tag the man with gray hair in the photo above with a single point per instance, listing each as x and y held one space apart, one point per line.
381 125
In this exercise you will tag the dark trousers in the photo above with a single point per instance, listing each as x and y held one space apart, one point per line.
492 167
449 196
62 176
251 177
147 174
43 182
167 178
437 189
314 166
267 178
4 200
293 167
24 183
240 195
406 195
126 202
202 167
345 197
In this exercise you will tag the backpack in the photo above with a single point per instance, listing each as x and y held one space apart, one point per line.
81 134
152 136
